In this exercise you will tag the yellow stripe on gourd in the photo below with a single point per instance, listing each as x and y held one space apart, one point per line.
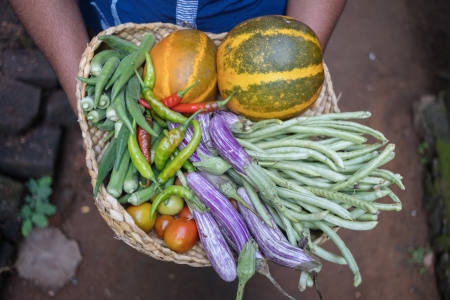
246 80
238 40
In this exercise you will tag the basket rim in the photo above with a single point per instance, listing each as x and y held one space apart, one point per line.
109 208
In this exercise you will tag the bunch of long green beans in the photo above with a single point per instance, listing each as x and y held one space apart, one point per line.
326 175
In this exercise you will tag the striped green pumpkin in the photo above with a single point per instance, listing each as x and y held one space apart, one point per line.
275 65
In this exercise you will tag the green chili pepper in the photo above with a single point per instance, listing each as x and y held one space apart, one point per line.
188 166
149 78
158 119
158 107
183 156
166 193
138 158
171 142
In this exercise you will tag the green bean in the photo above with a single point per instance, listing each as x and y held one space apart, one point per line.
337 221
344 251
276 217
289 166
306 181
349 126
339 116
313 154
297 136
371 196
323 171
331 257
303 281
289 230
356 153
388 175
344 198
316 201
388 207
361 159
370 166
318 131
367 217
340 145
305 144
266 187
329 141
356 167
235 176
259 207
310 217
394 197
248 145
272 156
292 205
247 126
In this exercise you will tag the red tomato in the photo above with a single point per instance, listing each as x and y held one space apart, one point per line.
185 213
181 235
141 216
161 224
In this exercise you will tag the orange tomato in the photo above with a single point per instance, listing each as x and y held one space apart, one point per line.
141 216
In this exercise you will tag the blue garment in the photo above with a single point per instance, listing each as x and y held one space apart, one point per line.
214 16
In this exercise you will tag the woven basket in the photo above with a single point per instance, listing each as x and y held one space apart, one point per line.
114 214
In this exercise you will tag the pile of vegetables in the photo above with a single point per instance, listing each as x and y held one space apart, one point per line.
263 190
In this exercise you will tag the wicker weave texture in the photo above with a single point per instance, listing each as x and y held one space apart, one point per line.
112 212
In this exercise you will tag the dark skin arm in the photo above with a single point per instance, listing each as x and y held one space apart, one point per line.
320 15
58 30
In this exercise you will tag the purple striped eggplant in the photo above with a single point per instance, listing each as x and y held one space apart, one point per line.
215 245
274 245
229 149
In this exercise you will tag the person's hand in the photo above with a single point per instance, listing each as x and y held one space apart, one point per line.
58 30
320 15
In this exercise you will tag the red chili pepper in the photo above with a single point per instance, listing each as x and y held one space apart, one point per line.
172 100
176 98
207 106
144 103
144 140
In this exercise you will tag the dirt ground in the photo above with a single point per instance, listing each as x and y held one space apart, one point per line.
381 60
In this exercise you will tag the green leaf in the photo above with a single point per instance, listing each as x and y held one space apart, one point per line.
27 226
25 212
40 220
45 181
48 209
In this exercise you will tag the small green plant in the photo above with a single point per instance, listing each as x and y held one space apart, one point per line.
416 257
37 207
